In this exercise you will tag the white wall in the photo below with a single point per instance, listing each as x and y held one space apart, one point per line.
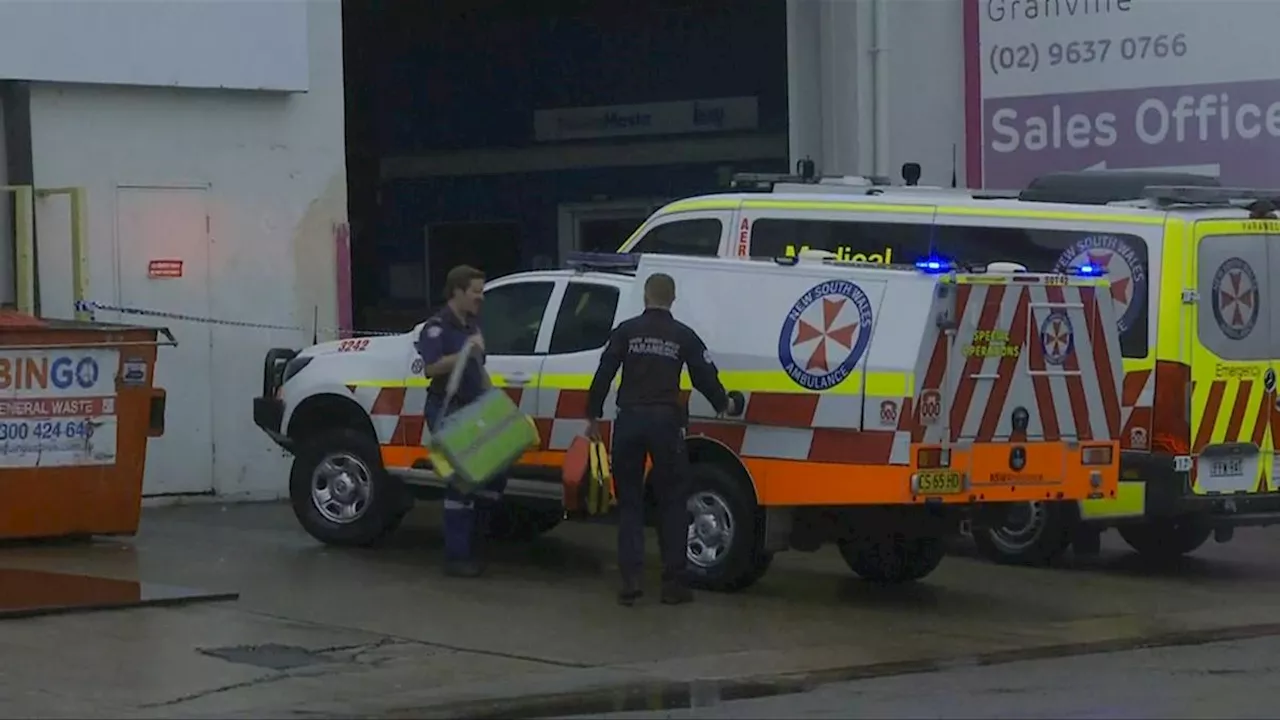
833 107
926 73
250 45
275 168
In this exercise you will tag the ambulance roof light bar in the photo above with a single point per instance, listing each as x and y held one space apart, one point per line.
783 182
602 261
1260 202
1197 195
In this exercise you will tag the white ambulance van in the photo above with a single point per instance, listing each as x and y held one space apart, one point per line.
880 405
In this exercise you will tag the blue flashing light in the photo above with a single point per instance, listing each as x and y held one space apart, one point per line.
603 261
1089 270
934 265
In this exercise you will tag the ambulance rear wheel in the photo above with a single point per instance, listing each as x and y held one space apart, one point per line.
894 559
1165 539
340 492
724 549
1033 533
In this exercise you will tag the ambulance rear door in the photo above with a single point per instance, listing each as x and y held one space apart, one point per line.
1232 335
1036 358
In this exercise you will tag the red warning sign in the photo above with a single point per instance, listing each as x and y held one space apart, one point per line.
164 269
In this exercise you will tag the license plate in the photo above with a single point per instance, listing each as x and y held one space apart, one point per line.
1230 467
939 482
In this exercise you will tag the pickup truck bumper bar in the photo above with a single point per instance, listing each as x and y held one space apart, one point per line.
268 409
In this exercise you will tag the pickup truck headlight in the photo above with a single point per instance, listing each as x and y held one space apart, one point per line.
293 367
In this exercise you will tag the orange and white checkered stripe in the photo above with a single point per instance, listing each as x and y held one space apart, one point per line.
1136 396
817 427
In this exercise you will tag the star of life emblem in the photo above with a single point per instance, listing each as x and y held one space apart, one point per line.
1057 338
1235 298
825 334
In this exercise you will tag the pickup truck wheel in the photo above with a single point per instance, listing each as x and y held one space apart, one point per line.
340 492
1033 533
893 559
724 548
513 522
1165 539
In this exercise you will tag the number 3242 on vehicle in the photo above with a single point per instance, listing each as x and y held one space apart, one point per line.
937 482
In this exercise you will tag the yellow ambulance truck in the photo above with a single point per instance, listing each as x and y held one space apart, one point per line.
1187 266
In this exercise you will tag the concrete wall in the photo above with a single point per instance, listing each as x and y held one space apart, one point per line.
7 289
837 116
274 167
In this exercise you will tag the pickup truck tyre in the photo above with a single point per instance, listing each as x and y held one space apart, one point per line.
1165 539
724 552
893 559
1035 534
340 492
514 522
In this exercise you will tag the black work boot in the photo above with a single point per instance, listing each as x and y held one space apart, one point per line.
463 568
676 593
630 592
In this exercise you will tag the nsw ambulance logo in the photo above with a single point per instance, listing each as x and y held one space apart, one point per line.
825 334
1057 338
1235 298
1123 266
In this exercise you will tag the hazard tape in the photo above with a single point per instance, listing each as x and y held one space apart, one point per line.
91 307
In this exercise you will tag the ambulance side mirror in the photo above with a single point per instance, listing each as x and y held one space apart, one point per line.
737 404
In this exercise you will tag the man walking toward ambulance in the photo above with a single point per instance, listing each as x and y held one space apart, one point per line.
441 342
652 349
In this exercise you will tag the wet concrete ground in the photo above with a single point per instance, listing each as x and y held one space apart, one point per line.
1219 680
320 631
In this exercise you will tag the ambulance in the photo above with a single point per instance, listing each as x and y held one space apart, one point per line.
1187 261
878 406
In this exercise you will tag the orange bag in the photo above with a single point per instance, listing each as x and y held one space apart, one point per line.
587 478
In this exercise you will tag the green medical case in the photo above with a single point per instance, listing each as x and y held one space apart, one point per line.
481 440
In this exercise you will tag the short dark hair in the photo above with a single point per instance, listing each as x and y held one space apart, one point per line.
660 288
460 278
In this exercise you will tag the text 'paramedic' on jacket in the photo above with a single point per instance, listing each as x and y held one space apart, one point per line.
652 349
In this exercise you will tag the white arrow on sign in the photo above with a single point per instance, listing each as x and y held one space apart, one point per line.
1211 170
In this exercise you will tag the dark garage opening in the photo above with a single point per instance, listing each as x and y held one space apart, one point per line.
506 134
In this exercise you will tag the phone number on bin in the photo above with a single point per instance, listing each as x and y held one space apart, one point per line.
1032 56
45 430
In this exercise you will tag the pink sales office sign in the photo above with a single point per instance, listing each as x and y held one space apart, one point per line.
1056 85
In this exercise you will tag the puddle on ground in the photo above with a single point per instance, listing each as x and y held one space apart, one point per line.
660 696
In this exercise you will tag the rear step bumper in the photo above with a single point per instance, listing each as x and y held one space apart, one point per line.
1168 495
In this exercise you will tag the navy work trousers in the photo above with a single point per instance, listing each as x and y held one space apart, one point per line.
466 515
658 432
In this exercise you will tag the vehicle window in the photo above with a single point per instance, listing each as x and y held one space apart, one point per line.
850 240
512 316
585 318
699 236
1124 256
1234 320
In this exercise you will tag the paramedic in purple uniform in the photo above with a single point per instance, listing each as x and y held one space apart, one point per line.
466 515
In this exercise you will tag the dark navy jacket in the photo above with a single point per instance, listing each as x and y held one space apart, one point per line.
652 349
444 334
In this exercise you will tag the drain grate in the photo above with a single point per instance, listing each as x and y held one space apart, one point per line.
270 656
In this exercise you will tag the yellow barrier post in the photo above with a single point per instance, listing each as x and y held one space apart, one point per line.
79 261
24 212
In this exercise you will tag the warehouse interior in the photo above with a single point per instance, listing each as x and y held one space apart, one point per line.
506 134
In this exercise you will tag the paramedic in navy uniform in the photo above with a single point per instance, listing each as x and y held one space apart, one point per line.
466 517
652 349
